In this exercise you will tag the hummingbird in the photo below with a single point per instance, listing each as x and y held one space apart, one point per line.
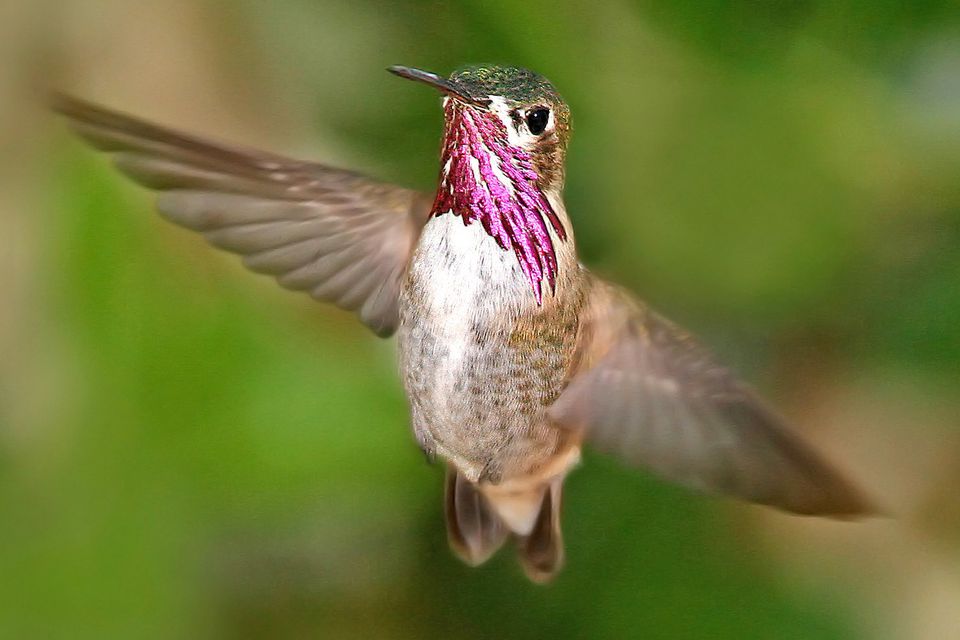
513 355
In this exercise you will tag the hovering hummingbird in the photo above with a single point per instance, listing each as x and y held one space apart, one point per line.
512 353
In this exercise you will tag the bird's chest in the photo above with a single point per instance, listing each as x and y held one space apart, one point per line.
460 287
481 360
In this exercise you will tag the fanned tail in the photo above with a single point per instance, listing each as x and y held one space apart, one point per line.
474 530
479 520
541 551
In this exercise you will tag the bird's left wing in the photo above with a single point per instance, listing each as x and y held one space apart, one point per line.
338 235
646 391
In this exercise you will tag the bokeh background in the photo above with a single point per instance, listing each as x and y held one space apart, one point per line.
187 451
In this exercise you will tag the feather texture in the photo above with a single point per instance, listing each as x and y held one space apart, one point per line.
337 235
648 392
474 530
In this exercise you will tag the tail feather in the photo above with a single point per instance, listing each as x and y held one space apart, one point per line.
541 551
479 520
474 530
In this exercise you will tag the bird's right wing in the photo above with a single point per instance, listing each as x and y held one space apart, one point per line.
338 235
648 392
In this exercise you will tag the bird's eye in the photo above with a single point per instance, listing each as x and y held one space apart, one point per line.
537 120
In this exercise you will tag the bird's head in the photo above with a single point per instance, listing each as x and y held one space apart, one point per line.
504 146
513 109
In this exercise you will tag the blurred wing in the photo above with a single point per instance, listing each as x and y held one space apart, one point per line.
337 235
648 392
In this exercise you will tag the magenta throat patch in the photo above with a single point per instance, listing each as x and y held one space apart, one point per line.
483 178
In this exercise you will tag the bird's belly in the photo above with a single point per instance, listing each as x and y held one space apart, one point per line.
481 360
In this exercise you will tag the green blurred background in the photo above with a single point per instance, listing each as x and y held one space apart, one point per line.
187 451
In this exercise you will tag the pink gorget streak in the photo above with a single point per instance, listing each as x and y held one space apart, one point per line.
484 178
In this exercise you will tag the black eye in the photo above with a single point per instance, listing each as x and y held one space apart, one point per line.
537 120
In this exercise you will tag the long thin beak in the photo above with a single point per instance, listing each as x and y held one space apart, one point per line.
437 82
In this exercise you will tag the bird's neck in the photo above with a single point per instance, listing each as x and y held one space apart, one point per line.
487 180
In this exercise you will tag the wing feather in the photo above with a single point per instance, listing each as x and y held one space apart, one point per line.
338 235
647 391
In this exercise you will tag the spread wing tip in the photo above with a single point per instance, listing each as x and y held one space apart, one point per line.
78 110
837 498
62 103
844 502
